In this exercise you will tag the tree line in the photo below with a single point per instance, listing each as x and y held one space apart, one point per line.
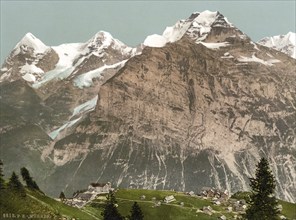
14 184
262 203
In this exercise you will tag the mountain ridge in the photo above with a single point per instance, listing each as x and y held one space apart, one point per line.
284 43
206 105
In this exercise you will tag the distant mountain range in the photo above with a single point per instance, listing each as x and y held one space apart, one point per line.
196 106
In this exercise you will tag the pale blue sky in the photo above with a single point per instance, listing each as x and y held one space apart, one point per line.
57 22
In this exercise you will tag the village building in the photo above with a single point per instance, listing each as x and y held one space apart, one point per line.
81 198
158 203
208 192
229 209
169 199
191 193
85 196
207 210
100 187
223 217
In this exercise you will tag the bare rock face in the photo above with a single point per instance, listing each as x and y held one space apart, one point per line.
189 115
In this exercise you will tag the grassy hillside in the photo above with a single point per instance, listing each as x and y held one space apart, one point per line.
37 206
184 208
190 209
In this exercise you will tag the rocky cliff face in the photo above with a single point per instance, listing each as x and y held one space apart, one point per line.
190 114
198 107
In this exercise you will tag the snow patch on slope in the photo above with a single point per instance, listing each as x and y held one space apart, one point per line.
86 79
85 107
215 45
30 72
69 124
31 68
67 53
258 60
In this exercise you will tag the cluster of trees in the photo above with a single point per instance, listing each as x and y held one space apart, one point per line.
111 212
14 184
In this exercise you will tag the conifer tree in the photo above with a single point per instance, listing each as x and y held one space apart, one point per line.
110 209
2 181
15 185
28 179
136 212
262 203
62 196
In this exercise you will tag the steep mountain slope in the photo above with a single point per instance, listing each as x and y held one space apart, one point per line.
45 91
198 110
59 74
284 43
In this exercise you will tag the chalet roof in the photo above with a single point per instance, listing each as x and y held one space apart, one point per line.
84 196
169 198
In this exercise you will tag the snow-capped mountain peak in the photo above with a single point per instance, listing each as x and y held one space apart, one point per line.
197 27
284 43
29 43
104 40
100 39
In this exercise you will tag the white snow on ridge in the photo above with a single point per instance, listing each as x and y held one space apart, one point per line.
258 60
197 28
87 106
155 40
206 18
86 79
67 54
284 43
77 53
30 41
103 40
176 32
